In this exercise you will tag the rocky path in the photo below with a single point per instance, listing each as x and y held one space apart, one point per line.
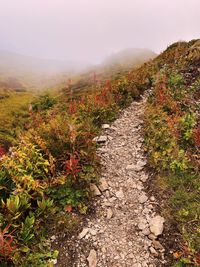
125 229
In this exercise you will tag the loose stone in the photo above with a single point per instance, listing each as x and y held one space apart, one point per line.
156 225
83 233
92 258
103 185
94 189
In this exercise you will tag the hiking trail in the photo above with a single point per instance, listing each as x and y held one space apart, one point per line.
124 229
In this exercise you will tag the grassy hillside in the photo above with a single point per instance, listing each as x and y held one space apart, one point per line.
44 180
16 93
13 116
172 140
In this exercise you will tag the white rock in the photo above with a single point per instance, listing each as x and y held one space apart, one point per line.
144 178
156 225
103 249
101 139
143 198
105 126
95 190
83 233
109 213
53 237
120 194
93 232
92 258
141 163
103 185
152 198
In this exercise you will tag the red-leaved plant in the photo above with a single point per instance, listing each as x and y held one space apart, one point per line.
73 107
6 244
196 136
197 259
2 151
72 166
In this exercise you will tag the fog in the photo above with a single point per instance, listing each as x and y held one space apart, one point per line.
90 30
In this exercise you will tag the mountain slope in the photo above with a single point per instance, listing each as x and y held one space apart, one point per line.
113 67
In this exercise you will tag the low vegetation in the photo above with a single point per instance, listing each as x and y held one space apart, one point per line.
172 139
44 179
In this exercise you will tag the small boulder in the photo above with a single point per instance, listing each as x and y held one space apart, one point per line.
157 225
143 198
103 185
94 189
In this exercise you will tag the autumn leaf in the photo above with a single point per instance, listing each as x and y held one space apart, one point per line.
177 254
68 208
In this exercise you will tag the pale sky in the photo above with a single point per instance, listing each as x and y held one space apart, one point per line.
89 30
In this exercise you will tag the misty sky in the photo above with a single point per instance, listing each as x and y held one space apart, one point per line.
89 30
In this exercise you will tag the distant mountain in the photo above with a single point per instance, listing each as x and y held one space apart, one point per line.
17 63
35 72
19 72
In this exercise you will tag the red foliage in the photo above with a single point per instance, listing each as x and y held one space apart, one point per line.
161 97
196 136
197 259
6 244
36 119
72 166
73 107
108 84
172 122
2 151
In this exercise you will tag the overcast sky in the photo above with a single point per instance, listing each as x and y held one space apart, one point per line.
89 30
